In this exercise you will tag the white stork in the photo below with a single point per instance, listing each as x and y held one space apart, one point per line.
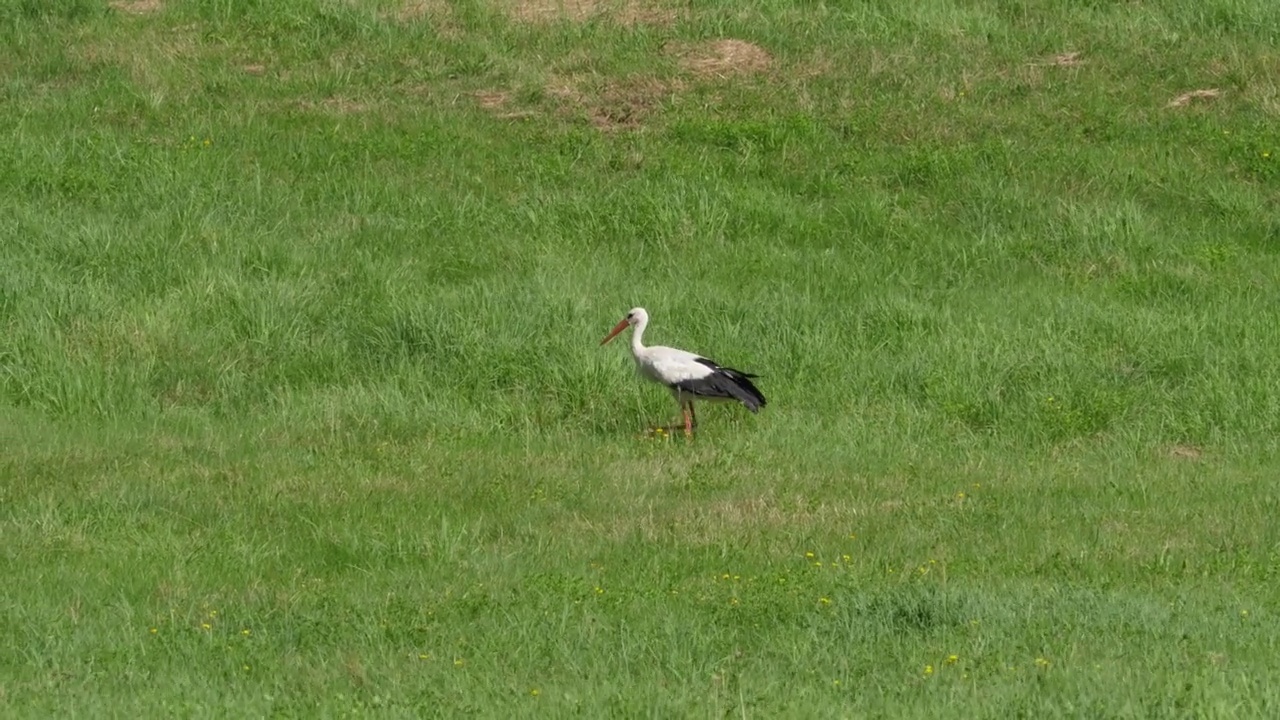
689 377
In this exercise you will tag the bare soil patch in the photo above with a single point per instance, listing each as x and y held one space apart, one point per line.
137 7
721 59
1185 452
621 12
1195 96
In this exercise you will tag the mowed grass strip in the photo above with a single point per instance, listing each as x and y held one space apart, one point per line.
304 410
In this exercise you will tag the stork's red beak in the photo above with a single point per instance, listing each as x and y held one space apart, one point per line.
616 329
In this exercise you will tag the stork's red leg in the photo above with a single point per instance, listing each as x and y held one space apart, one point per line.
688 420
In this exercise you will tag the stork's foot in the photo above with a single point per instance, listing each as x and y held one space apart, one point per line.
666 432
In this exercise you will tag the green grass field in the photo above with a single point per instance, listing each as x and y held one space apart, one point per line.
303 411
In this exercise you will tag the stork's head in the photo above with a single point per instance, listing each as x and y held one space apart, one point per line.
635 316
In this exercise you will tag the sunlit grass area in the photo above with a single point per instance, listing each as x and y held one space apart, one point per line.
303 410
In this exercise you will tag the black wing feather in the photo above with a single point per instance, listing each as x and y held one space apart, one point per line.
725 382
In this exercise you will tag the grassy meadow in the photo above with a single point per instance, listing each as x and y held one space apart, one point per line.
303 411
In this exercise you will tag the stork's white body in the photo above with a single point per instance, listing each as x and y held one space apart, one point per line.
688 376
666 365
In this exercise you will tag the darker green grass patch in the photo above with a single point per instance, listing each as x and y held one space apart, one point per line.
36 10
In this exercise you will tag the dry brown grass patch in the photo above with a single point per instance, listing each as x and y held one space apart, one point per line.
1185 452
355 670
625 104
152 61
498 102
722 58
954 92
437 12
417 9
1187 98
137 7
1066 59
611 104
344 106
620 12
492 99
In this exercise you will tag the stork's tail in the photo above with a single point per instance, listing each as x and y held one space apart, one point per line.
739 385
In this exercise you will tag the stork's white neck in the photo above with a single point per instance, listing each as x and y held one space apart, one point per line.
637 336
